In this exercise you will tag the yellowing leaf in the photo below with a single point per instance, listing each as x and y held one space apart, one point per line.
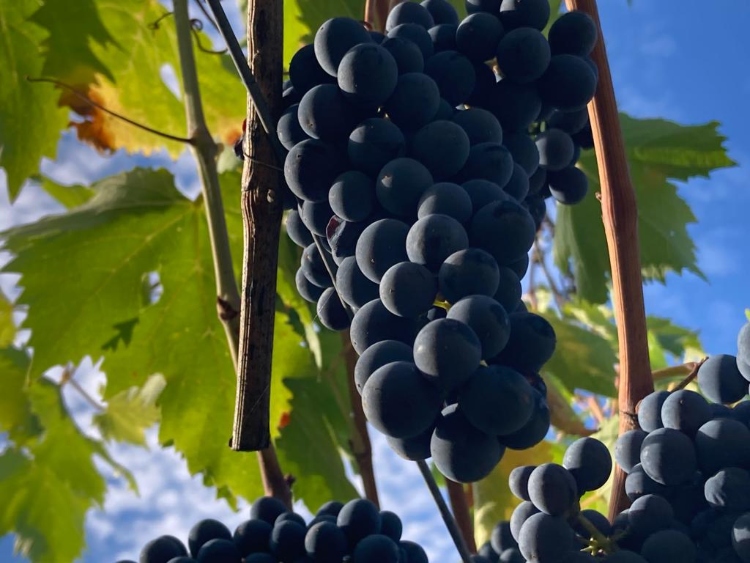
130 413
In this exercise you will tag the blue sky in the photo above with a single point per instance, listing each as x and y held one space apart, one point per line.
676 59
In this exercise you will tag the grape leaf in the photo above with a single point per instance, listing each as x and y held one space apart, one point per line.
16 415
657 150
24 139
138 223
130 413
68 54
583 359
48 485
493 500
135 80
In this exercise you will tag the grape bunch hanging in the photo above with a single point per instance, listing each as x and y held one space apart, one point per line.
356 531
688 477
422 160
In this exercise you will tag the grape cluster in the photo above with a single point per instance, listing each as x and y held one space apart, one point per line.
688 477
422 159
356 532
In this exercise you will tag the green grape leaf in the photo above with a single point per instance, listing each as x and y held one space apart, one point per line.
7 326
48 486
135 224
309 448
583 359
493 500
673 339
657 150
69 54
130 413
30 120
16 415
132 81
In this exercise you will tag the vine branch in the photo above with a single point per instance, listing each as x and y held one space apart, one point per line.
228 298
620 217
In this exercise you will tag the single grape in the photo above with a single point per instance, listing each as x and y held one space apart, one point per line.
380 246
414 102
471 271
480 125
448 352
568 84
686 411
358 519
445 198
589 462
546 539
668 457
325 542
400 185
628 449
409 12
573 33
444 38
649 411
729 489
720 380
552 489
206 530
649 514
334 38
442 147
367 75
373 323
453 73
406 53
432 239
221 551
518 481
399 401
378 355
352 196
288 128
460 451
408 289
331 311
311 167
162 549
477 36
489 321
252 536
523 55
525 13
305 72
534 430
497 400
531 344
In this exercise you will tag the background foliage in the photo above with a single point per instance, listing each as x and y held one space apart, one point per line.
125 276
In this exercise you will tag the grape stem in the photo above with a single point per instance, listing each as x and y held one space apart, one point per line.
673 371
461 512
691 376
445 513
600 541
620 218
